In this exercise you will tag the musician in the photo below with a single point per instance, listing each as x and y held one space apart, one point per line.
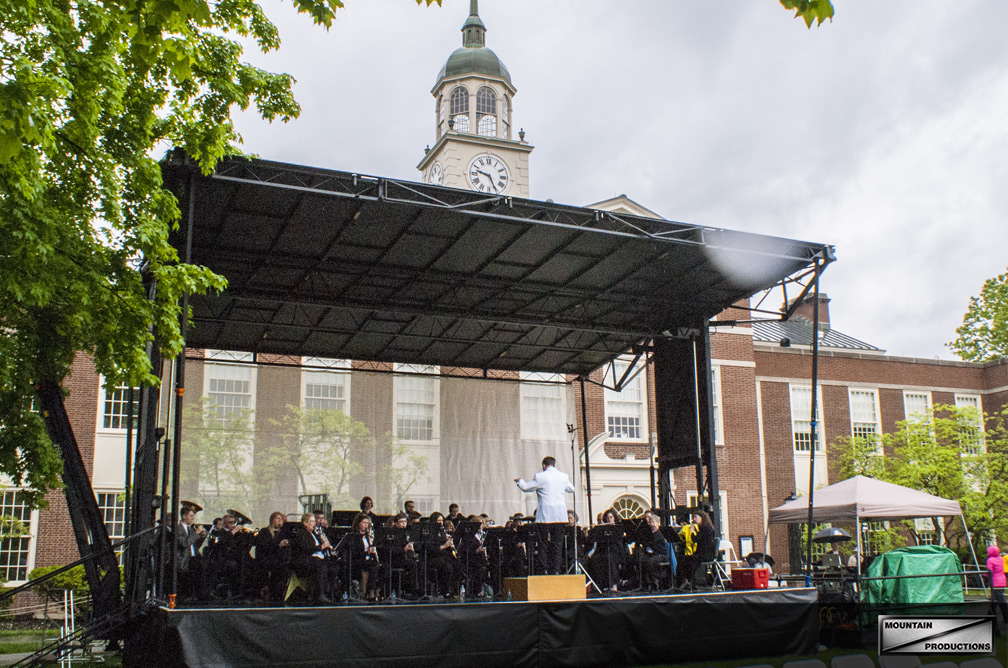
215 532
606 559
362 556
409 507
454 516
441 557
188 538
272 555
700 545
575 536
223 559
550 484
651 550
473 556
308 558
515 557
366 504
404 558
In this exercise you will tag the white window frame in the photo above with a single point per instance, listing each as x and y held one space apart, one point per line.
963 400
804 408
546 386
32 536
876 423
116 509
402 372
103 398
616 400
925 526
335 369
227 359
717 405
915 417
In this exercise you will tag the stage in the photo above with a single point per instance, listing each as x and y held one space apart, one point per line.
619 631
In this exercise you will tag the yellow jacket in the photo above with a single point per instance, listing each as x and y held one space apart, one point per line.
687 533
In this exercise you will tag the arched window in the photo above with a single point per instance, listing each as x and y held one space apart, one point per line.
459 109
506 117
486 112
440 115
628 507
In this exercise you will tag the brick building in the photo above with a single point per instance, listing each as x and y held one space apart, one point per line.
452 435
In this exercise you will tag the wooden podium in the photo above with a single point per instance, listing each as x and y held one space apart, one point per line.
546 588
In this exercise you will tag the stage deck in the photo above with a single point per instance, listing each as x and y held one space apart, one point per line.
623 631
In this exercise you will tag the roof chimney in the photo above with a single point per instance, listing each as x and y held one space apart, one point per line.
805 310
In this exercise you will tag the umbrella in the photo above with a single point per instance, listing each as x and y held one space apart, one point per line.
831 535
754 558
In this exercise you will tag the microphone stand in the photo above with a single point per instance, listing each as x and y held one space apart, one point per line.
572 430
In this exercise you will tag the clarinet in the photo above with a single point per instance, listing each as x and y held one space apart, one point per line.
371 544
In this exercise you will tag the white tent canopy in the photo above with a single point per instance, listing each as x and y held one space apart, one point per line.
860 498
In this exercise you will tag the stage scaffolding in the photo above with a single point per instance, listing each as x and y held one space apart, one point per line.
333 264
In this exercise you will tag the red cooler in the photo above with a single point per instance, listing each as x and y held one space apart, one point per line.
750 578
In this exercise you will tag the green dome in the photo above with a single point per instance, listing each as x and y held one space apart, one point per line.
474 60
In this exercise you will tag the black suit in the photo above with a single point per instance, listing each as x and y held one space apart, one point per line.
306 565
651 550
272 561
189 561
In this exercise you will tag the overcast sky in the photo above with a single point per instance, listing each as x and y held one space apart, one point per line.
884 132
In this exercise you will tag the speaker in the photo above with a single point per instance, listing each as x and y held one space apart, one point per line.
676 400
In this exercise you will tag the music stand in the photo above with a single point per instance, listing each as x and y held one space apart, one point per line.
427 531
608 535
391 538
343 518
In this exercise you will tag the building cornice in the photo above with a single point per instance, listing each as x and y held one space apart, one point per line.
488 143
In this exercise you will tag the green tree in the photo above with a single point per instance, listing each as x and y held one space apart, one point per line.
90 92
405 469
219 448
325 448
983 335
811 11
946 455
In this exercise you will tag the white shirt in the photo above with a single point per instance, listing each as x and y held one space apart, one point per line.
550 485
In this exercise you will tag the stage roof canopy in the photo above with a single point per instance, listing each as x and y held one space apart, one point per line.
333 264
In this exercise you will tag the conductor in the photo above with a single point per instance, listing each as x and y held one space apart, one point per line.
551 514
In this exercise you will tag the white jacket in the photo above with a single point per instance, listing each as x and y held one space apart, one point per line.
550 486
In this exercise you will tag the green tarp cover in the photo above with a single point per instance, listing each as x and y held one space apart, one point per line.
918 560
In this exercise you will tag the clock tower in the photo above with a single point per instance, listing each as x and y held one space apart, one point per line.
474 144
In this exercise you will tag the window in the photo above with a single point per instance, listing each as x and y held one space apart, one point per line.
486 112
972 438
229 389
801 423
328 388
871 536
116 407
506 116
625 410
112 506
864 413
440 115
927 532
917 406
628 507
716 405
542 406
416 402
459 109
15 550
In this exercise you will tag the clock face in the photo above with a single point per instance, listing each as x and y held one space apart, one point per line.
488 174
436 174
